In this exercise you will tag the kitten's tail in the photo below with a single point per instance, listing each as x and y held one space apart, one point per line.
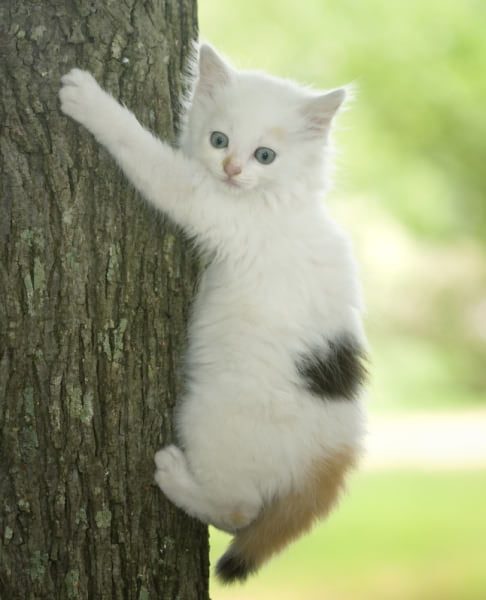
286 518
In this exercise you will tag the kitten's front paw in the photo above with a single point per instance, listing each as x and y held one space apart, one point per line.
80 95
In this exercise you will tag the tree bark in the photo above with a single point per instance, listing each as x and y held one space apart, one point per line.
94 298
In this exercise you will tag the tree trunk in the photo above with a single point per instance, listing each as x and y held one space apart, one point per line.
94 298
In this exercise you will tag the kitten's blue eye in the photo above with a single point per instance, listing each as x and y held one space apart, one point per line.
265 155
219 140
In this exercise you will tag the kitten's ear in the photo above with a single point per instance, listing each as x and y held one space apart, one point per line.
320 110
214 73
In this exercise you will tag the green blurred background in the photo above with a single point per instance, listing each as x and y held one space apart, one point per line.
410 185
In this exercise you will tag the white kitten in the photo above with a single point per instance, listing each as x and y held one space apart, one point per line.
271 418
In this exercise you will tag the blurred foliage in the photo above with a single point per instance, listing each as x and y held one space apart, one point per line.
411 178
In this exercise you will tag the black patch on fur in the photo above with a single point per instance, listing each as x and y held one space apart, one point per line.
334 373
232 568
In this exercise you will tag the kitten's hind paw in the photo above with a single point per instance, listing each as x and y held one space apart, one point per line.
170 463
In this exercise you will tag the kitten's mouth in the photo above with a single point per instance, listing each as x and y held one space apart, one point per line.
229 181
233 184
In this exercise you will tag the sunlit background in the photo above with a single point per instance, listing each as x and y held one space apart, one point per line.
411 187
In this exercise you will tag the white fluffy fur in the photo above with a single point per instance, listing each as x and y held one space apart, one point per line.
282 280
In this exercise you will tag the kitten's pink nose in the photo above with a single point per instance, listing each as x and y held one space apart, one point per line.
230 168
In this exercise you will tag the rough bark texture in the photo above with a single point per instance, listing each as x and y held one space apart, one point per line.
93 302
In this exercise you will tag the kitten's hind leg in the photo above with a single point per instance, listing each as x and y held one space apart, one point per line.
175 479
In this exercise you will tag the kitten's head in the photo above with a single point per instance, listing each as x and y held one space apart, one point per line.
253 131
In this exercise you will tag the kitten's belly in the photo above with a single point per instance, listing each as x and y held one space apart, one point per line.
242 432
246 410
245 342
250 346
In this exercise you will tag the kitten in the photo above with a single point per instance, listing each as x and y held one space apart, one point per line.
271 420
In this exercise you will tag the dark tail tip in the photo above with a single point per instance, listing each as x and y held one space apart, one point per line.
232 568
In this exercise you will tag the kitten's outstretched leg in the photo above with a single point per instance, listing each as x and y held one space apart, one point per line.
162 174
174 478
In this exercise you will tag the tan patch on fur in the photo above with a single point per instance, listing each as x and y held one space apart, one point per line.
237 519
290 516
227 160
278 132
